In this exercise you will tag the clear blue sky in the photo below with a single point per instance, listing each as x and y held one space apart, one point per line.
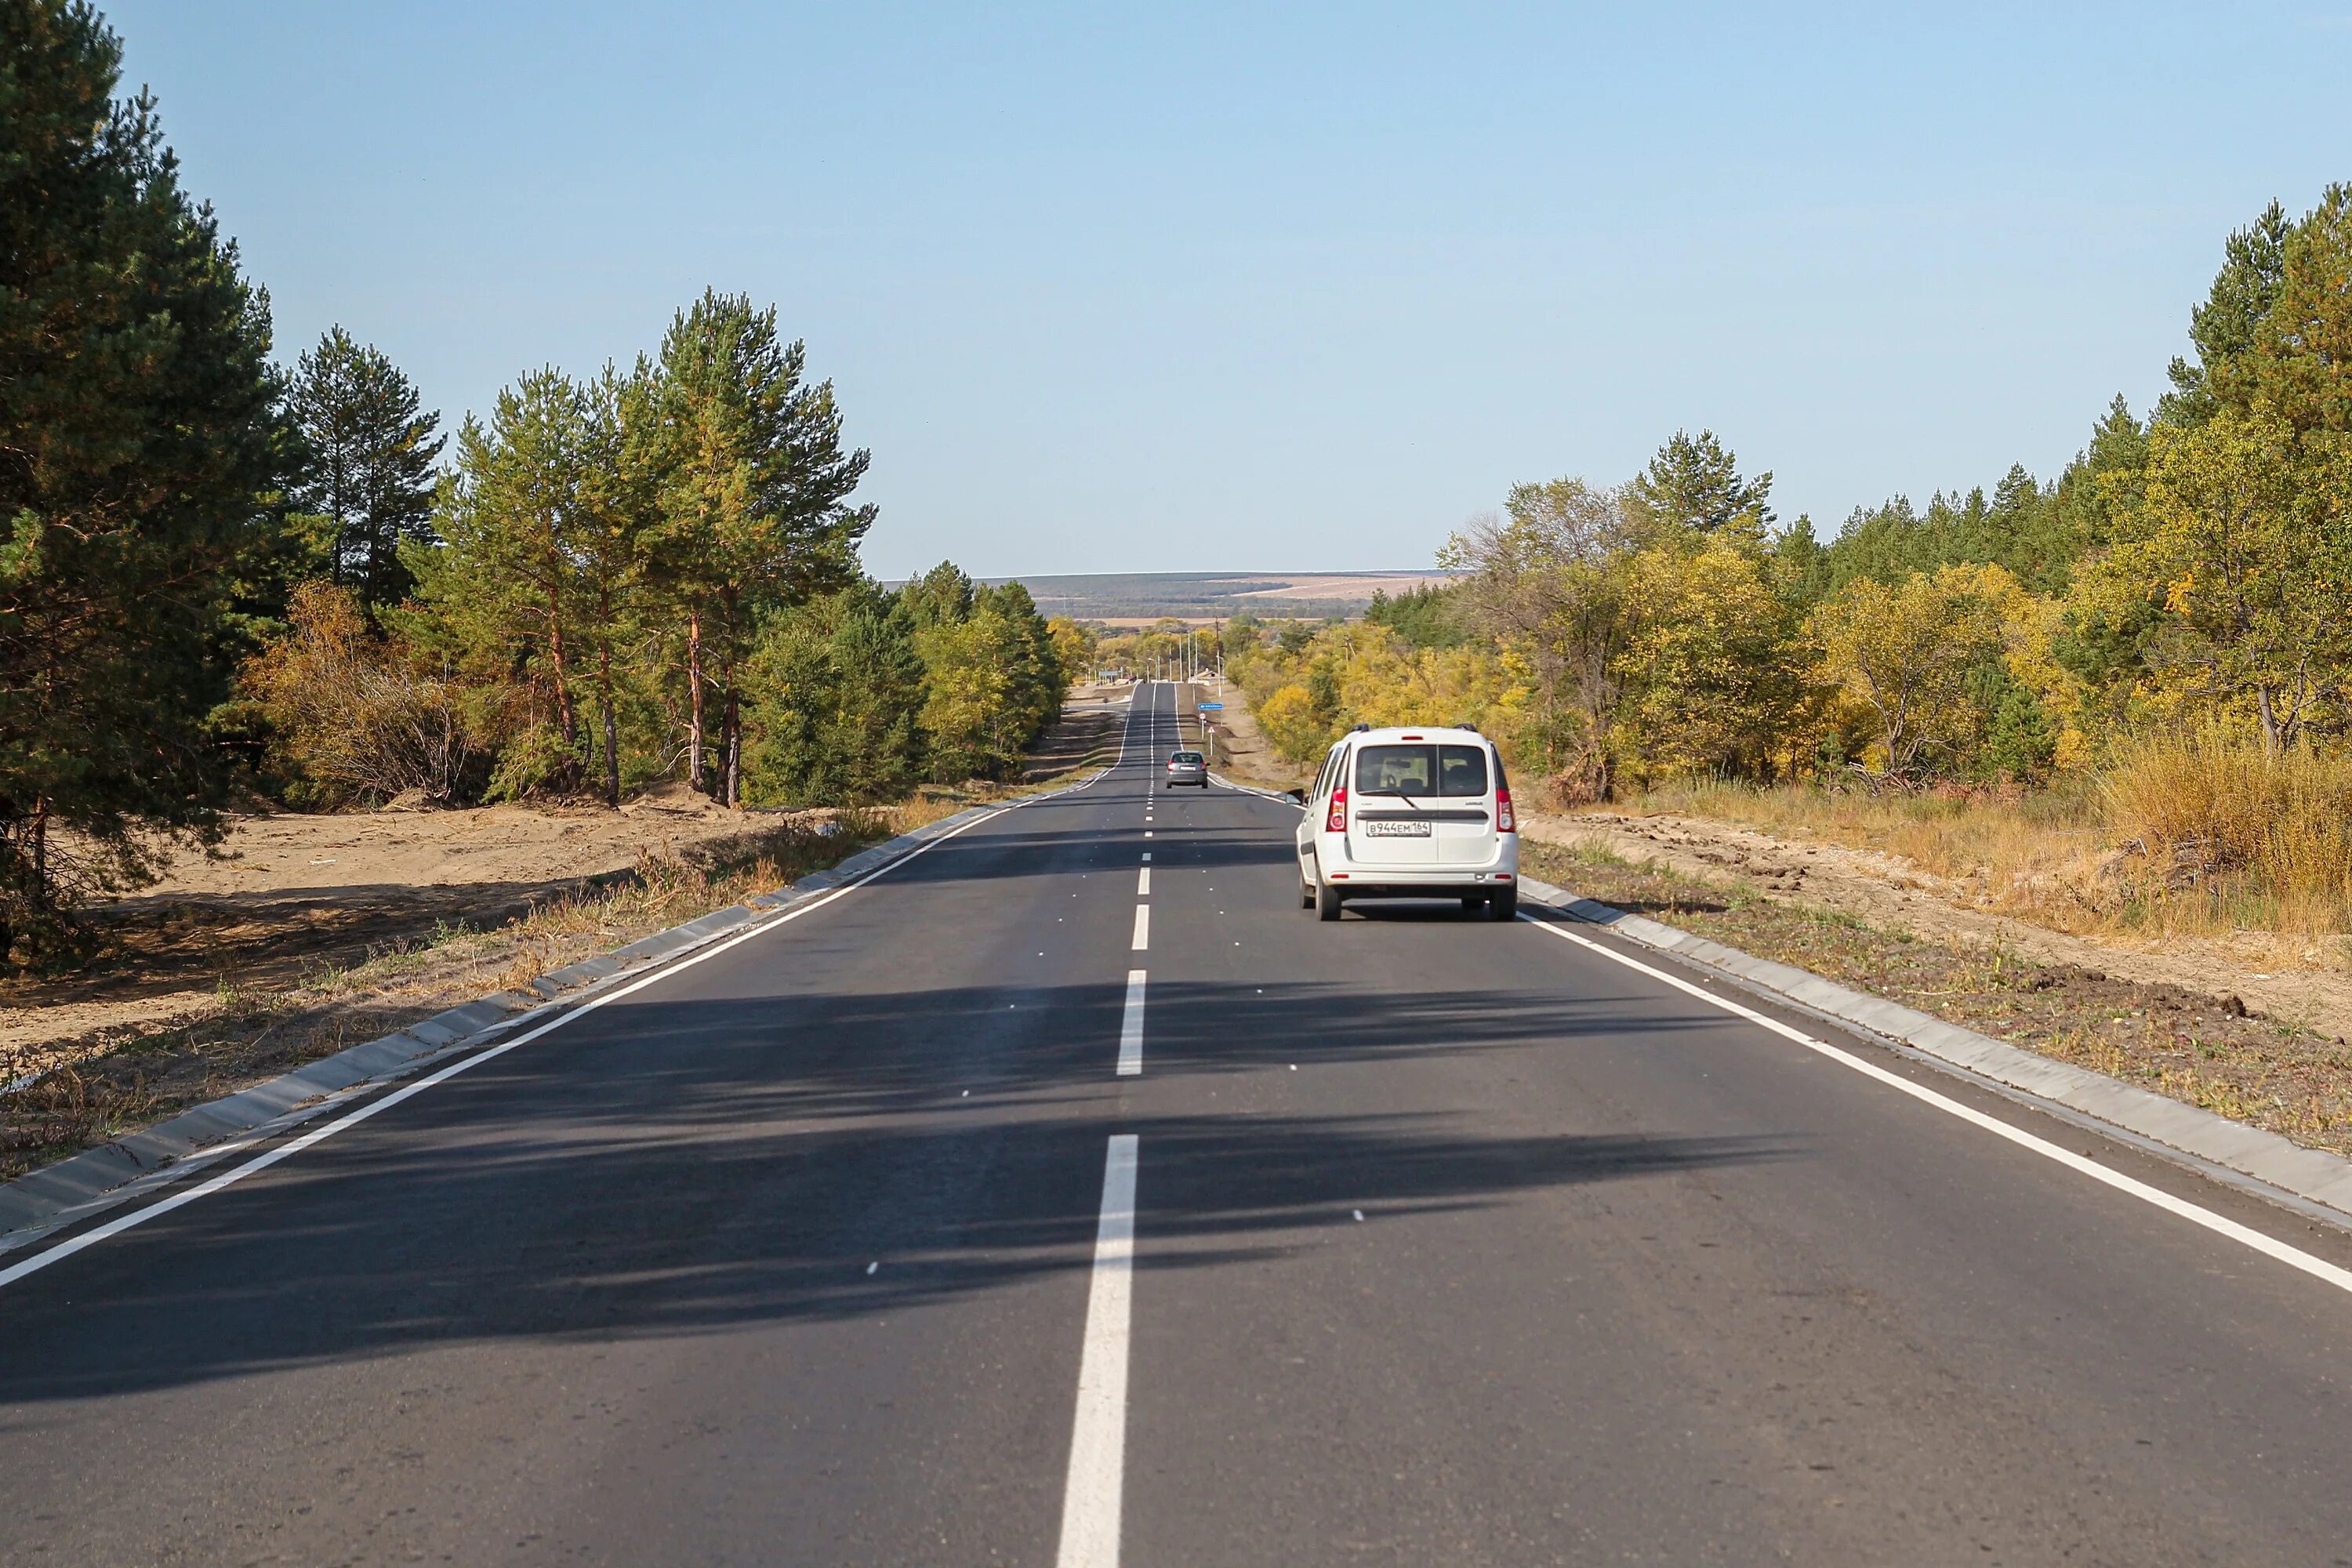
1277 287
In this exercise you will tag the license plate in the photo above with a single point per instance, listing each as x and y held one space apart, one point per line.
1396 830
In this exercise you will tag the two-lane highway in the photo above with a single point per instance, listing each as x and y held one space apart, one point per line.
1041 1202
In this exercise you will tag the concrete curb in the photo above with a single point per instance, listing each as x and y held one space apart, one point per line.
73 1189
2313 1175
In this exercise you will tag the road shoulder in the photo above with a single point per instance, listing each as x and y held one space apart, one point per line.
2311 1181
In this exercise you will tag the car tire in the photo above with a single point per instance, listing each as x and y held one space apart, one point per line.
1305 895
1327 903
1503 904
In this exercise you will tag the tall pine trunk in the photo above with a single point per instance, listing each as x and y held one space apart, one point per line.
733 791
611 725
567 717
694 697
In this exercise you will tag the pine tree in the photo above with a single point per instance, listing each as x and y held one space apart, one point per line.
2253 265
614 510
371 451
507 587
1694 485
939 596
837 695
138 441
752 512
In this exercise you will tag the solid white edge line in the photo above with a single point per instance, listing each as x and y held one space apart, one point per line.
1126 729
205 1188
1130 1026
2220 1224
1142 927
1091 1494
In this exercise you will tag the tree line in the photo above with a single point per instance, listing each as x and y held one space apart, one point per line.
220 580
2190 568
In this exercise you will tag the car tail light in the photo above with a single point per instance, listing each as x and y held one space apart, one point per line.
1506 819
1338 821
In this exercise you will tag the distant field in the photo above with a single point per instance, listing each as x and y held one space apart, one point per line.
1134 597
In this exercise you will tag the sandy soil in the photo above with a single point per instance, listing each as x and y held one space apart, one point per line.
1891 894
288 894
288 852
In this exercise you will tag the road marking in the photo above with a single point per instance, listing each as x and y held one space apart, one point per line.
1131 1027
1091 1498
2195 1213
1144 882
1142 927
65 1249
1147 856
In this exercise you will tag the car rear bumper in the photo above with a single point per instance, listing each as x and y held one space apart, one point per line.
1358 879
1430 887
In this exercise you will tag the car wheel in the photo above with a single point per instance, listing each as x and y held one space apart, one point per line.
1503 904
1327 903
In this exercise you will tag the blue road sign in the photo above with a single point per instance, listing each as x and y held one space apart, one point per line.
1210 707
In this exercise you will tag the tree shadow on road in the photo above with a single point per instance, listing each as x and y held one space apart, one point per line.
688 1168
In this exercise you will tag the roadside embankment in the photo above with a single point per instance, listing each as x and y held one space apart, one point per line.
2263 1047
1242 751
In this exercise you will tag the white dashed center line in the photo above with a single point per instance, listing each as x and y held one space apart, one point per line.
1131 1027
1091 1496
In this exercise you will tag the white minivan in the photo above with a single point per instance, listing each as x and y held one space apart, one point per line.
1411 813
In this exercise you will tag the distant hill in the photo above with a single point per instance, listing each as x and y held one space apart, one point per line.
1117 597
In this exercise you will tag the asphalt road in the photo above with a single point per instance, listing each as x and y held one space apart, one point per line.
1449 1243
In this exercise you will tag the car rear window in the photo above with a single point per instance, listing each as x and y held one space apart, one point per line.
1185 757
1420 770
1462 770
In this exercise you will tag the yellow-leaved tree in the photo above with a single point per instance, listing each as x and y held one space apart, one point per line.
1713 675
2240 536
1902 656
1287 718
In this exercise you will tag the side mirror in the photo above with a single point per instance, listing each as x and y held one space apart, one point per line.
1298 795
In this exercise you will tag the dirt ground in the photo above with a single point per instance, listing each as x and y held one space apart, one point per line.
1243 753
1889 893
290 894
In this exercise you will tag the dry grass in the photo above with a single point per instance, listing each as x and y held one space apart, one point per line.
2194 833
2036 855
2203 811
